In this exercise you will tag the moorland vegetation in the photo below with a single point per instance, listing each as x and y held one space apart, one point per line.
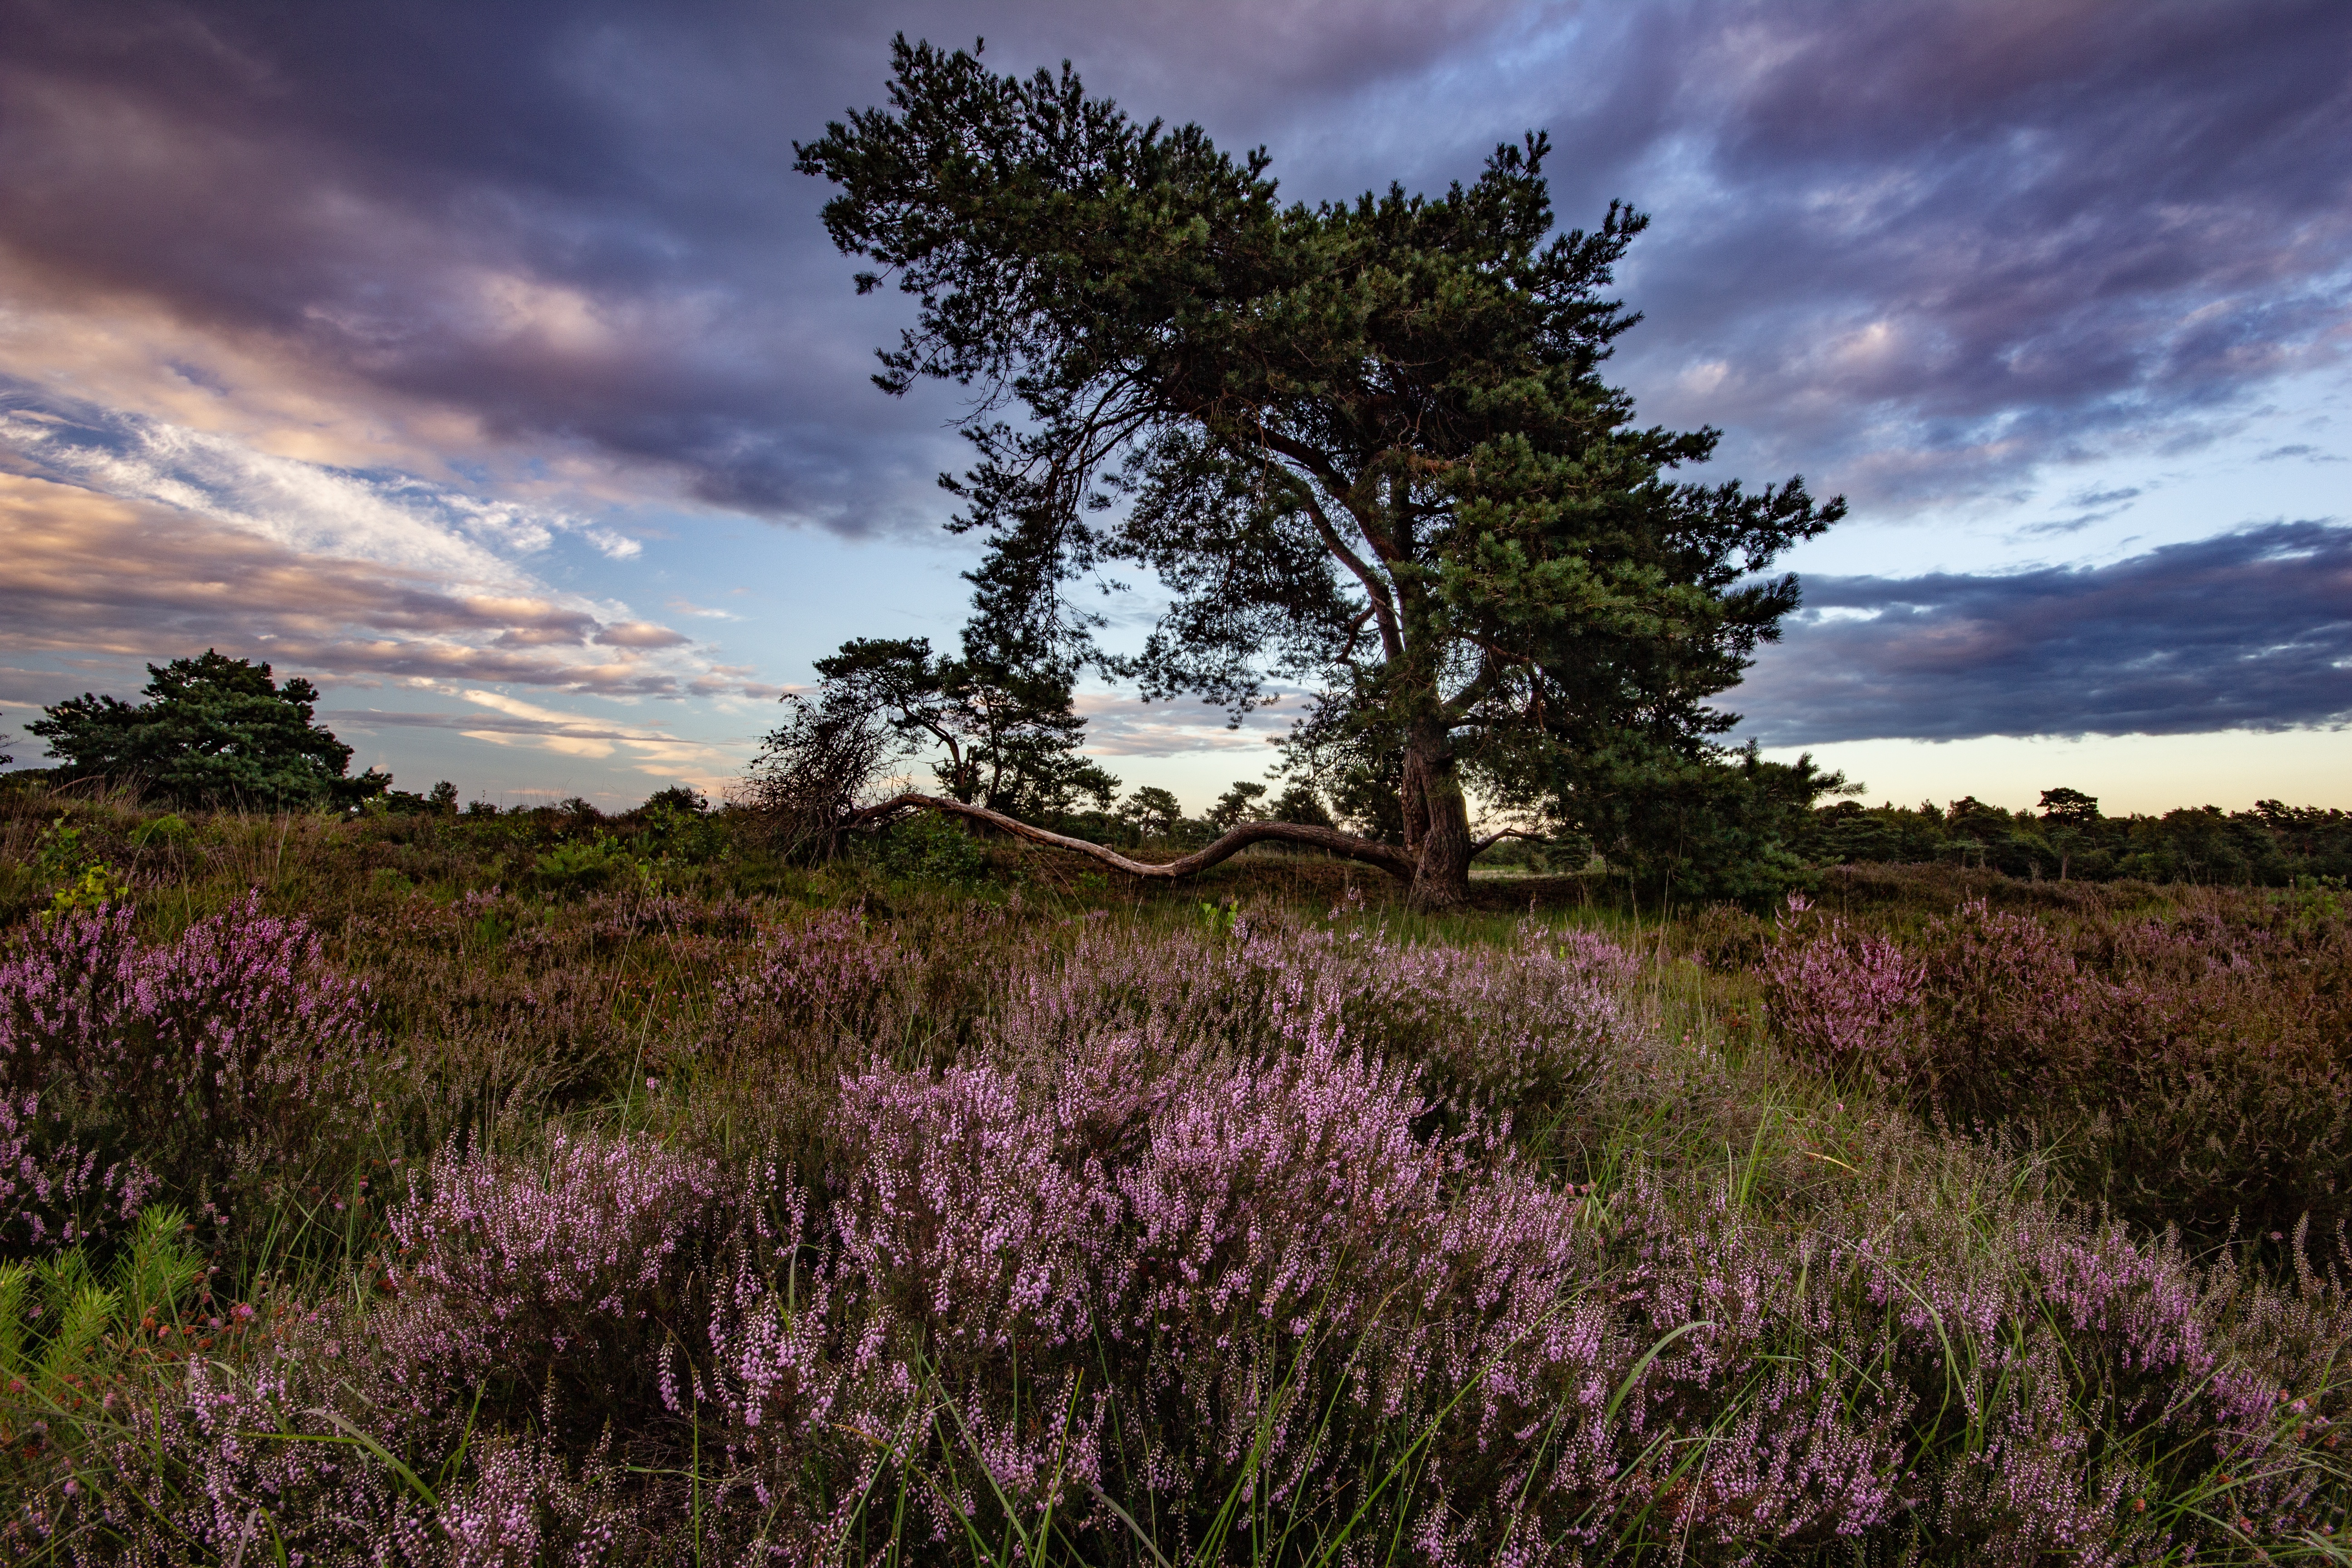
440 1186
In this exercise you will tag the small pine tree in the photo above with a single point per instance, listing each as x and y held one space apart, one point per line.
213 731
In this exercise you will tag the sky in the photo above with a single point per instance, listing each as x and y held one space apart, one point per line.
487 365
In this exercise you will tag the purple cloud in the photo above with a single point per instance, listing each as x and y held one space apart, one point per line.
1917 250
2250 630
1926 248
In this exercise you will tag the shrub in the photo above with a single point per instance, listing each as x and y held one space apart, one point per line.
283 1458
80 882
227 1061
1726 937
587 866
1525 1031
548 1284
165 830
2193 1073
1214 1302
827 977
52 1193
928 848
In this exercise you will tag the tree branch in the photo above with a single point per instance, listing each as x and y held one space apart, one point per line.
1320 468
1396 862
1376 589
1491 669
1480 846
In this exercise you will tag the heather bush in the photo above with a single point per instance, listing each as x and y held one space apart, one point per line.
1726 937
278 1460
2195 1072
52 1193
1143 1302
480 1405
827 976
224 1064
507 1044
1277 1291
547 1283
1527 1032
1299 1318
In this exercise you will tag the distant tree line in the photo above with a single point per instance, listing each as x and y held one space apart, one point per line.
998 720
2066 838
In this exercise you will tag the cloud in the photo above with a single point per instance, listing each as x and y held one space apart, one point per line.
640 634
86 571
1924 250
390 517
2059 526
1123 726
2250 630
1919 251
568 235
517 723
2081 521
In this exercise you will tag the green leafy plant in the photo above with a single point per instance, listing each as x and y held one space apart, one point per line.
675 828
391 882
167 829
65 1330
930 849
596 864
96 887
79 878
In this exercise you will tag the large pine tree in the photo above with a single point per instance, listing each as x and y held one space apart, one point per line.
1364 445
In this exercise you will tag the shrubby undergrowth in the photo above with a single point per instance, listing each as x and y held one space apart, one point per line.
2190 1065
736 1216
219 1067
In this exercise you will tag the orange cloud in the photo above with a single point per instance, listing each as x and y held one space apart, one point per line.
82 572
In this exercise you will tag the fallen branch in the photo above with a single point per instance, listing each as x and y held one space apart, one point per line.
1396 862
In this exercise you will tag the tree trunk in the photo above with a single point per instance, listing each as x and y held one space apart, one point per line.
1396 862
1433 803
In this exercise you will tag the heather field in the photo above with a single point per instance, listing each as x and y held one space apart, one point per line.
540 1186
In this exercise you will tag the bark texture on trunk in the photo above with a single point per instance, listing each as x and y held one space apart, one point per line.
1435 805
